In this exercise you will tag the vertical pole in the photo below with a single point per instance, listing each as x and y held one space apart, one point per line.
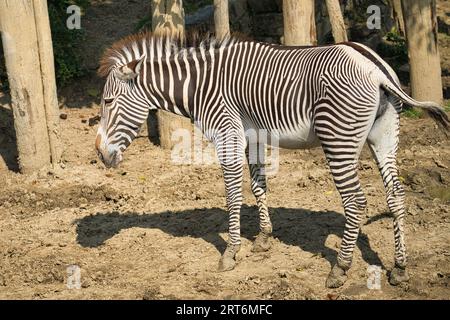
221 18
20 44
168 18
44 37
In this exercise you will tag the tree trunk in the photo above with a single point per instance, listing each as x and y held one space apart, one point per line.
21 50
397 14
424 60
221 18
337 21
299 22
168 18
44 36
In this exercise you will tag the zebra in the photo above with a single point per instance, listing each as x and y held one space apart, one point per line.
334 96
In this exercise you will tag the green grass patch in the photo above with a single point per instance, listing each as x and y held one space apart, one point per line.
412 113
447 106
416 113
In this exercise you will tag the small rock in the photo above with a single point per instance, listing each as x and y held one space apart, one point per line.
404 68
63 116
86 283
332 296
301 184
440 164
94 120
282 273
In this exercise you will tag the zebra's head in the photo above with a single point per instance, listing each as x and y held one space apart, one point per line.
124 108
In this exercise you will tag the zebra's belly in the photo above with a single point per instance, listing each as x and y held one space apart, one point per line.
300 137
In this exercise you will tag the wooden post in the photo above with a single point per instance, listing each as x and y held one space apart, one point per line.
22 57
421 33
221 18
44 37
337 21
299 22
168 18
397 15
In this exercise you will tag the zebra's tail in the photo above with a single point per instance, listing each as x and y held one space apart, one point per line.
434 110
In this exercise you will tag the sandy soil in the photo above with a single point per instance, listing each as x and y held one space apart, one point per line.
155 230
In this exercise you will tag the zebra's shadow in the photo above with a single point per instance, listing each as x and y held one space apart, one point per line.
299 227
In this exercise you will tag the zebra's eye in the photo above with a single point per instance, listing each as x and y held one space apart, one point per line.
108 101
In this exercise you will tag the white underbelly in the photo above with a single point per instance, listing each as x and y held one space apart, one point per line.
302 137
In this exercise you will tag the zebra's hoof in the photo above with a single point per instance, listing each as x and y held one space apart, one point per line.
261 243
228 261
336 278
397 276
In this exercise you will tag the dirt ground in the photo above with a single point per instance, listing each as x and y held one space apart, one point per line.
152 229
155 230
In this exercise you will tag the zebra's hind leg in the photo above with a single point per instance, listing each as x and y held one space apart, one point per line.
355 203
342 145
383 142
255 157
343 119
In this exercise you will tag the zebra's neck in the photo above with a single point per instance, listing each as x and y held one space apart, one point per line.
175 83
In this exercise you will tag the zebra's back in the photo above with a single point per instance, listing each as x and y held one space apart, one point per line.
276 88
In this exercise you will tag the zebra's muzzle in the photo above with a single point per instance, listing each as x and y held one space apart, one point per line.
113 159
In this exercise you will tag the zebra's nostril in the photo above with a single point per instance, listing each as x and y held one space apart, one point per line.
99 154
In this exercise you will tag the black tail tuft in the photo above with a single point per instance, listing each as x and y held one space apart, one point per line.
439 115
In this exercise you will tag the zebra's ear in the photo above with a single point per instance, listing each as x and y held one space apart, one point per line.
130 70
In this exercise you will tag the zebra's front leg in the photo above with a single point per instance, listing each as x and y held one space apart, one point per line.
255 159
233 187
231 150
355 203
